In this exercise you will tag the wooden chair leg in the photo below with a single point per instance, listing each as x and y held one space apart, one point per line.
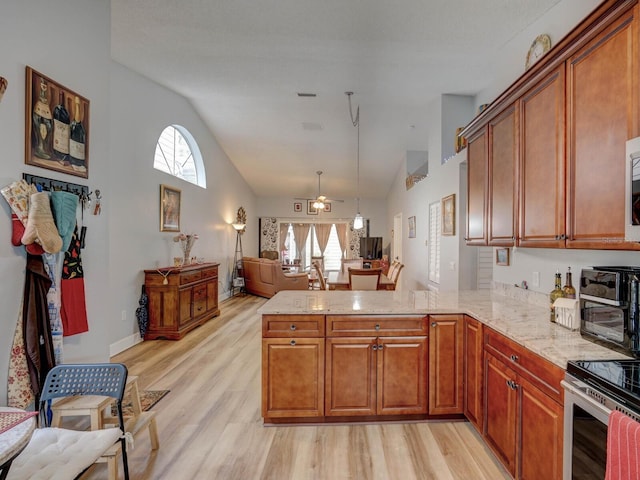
153 434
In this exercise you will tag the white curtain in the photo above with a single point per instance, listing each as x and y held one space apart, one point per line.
322 234
341 230
284 230
300 233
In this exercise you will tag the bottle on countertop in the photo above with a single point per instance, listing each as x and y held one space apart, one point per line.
555 294
568 289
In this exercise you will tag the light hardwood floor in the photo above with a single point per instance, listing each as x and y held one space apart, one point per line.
210 425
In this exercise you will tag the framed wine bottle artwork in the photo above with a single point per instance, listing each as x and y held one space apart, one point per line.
56 126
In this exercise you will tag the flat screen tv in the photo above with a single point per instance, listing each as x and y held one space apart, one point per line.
371 248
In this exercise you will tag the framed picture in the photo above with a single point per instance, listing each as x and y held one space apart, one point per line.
311 210
56 126
412 227
297 206
502 256
449 215
327 207
169 209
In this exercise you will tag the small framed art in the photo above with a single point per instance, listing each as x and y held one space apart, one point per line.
169 209
311 210
502 256
327 207
297 206
449 215
412 227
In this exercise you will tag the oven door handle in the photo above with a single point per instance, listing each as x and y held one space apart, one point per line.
606 301
586 400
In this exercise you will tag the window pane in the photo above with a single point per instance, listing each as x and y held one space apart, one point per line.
177 156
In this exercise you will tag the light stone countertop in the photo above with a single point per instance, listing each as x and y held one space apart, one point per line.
526 323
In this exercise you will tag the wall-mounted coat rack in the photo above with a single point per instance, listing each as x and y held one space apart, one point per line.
49 184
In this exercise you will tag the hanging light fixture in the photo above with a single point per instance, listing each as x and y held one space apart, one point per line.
358 221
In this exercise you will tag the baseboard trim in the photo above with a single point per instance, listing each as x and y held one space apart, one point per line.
124 344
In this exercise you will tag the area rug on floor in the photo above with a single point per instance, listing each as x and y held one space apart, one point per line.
148 398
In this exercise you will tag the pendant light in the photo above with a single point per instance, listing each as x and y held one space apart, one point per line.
358 221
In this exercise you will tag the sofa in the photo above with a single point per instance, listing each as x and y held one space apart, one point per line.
265 278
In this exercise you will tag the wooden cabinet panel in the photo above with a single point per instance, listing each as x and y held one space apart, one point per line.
473 366
351 376
541 434
603 114
292 377
502 174
180 299
293 325
500 411
402 375
542 178
379 325
445 364
477 158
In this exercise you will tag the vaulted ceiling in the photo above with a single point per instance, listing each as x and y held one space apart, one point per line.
242 64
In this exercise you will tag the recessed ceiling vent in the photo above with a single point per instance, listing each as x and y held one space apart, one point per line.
312 126
303 94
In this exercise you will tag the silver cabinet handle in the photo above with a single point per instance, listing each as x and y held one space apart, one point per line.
375 347
434 324
512 385
293 327
380 347
377 326
292 343
514 358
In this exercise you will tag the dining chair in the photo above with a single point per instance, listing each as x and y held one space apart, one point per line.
321 283
392 268
351 263
61 453
319 259
364 278
396 273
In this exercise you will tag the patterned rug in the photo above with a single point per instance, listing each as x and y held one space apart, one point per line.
148 398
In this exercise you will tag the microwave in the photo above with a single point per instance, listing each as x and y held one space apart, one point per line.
610 307
632 191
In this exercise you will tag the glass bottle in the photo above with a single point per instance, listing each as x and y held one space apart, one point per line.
42 124
555 294
61 129
568 290
77 138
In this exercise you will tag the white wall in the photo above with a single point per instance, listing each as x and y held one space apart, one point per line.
128 112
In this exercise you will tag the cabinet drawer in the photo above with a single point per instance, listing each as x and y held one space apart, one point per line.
542 373
209 273
378 325
190 277
293 325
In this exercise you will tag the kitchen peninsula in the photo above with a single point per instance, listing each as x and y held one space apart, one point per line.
346 356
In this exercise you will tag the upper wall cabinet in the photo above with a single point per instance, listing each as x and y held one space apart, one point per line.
603 114
554 142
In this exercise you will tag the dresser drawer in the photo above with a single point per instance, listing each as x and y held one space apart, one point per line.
190 277
544 374
209 273
376 325
293 325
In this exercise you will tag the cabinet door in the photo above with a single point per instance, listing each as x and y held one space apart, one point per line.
445 364
473 372
542 178
163 308
351 376
185 305
541 435
402 375
212 296
292 377
502 176
500 411
477 189
603 114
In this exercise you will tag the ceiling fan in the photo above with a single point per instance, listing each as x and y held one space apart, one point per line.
320 201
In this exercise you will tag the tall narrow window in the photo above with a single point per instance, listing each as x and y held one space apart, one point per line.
177 154
434 242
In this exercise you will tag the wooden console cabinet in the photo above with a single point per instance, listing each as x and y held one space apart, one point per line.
180 299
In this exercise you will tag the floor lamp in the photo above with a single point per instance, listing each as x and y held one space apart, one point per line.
237 278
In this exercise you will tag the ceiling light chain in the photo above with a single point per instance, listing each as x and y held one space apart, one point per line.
358 221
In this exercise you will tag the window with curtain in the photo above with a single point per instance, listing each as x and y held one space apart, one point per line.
332 253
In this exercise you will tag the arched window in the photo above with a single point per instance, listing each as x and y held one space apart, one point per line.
177 154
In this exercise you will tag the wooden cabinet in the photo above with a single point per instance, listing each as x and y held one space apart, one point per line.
542 163
376 376
376 365
603 114
180 299
445 364
292 366
523 417
472 376
560 129
477 177
502 176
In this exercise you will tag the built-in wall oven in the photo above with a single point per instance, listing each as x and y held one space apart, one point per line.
593 389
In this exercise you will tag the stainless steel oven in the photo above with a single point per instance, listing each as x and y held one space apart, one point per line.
593 389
